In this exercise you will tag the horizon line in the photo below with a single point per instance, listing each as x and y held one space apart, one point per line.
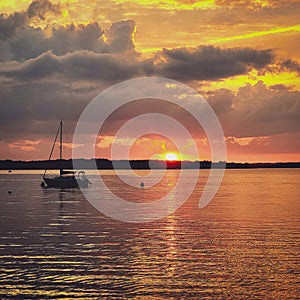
156 160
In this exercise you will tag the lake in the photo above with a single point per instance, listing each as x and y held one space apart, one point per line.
243 245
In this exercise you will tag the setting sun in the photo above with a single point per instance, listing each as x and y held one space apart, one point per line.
171 156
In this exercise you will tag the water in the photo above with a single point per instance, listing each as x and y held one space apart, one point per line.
243 245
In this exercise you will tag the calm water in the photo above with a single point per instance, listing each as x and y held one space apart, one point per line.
243 245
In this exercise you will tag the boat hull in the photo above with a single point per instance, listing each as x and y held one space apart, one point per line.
62 182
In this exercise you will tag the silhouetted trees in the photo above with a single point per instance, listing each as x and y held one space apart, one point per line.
105 164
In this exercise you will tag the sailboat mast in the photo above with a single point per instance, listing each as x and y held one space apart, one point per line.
60 142
54 143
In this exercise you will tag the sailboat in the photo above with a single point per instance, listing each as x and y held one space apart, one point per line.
66 179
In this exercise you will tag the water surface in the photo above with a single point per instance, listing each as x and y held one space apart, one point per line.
243 245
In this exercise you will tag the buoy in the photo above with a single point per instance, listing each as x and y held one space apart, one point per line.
9 171
9 191
142 184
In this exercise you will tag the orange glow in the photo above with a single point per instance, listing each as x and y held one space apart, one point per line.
171 156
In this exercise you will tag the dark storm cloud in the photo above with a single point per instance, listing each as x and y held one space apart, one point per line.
212 63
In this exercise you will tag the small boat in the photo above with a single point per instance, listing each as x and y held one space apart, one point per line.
66 179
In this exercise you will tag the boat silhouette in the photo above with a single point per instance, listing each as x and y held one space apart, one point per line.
66 179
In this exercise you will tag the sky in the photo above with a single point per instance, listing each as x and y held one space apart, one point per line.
242 56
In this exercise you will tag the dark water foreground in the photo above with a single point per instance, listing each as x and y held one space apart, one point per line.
243 245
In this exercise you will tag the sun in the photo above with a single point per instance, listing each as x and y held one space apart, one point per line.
171 156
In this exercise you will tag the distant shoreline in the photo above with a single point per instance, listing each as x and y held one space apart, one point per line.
105 164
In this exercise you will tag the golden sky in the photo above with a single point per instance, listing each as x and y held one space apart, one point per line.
242 56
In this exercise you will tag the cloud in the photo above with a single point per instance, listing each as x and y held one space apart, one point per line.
46 64
25 145
257 110
19 40
256 5
72 145
79 65
105 67
40 7
248 140
34 108
280 87
251 112
107 141
202 63
28 42
221 101
120 36
18 20
74 38
9 24
211 63
284 146
290 65
81 45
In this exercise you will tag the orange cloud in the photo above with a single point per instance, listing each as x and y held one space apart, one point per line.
25 145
